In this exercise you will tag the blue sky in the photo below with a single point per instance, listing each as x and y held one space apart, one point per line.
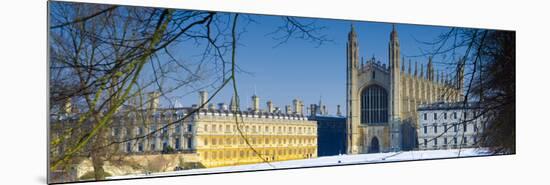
299 68
304 70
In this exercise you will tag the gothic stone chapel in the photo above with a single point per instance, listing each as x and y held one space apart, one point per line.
381 100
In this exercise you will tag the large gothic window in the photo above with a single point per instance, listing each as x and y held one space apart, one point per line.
374 105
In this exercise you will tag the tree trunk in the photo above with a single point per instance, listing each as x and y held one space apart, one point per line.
98 156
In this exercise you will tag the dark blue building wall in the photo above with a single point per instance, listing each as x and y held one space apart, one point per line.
331 135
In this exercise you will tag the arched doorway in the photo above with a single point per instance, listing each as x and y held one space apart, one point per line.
374 146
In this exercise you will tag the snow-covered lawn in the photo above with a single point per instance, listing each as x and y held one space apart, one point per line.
329 160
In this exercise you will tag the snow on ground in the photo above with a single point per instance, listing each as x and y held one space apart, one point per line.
329 160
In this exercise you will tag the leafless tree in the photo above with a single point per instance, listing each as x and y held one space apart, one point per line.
103 58
489 59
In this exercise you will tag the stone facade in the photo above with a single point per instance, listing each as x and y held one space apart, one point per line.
259 137
209 136
381 99
449 125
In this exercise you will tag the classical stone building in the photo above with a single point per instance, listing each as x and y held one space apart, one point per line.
209 135
254 136
449 125
381 99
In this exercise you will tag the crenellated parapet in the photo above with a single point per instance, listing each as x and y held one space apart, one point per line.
373 63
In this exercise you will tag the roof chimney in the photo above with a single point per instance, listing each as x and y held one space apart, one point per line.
288 109
222 106
296 105
255 103
301 109
203 96
154 101
211 106
270 106
233 104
